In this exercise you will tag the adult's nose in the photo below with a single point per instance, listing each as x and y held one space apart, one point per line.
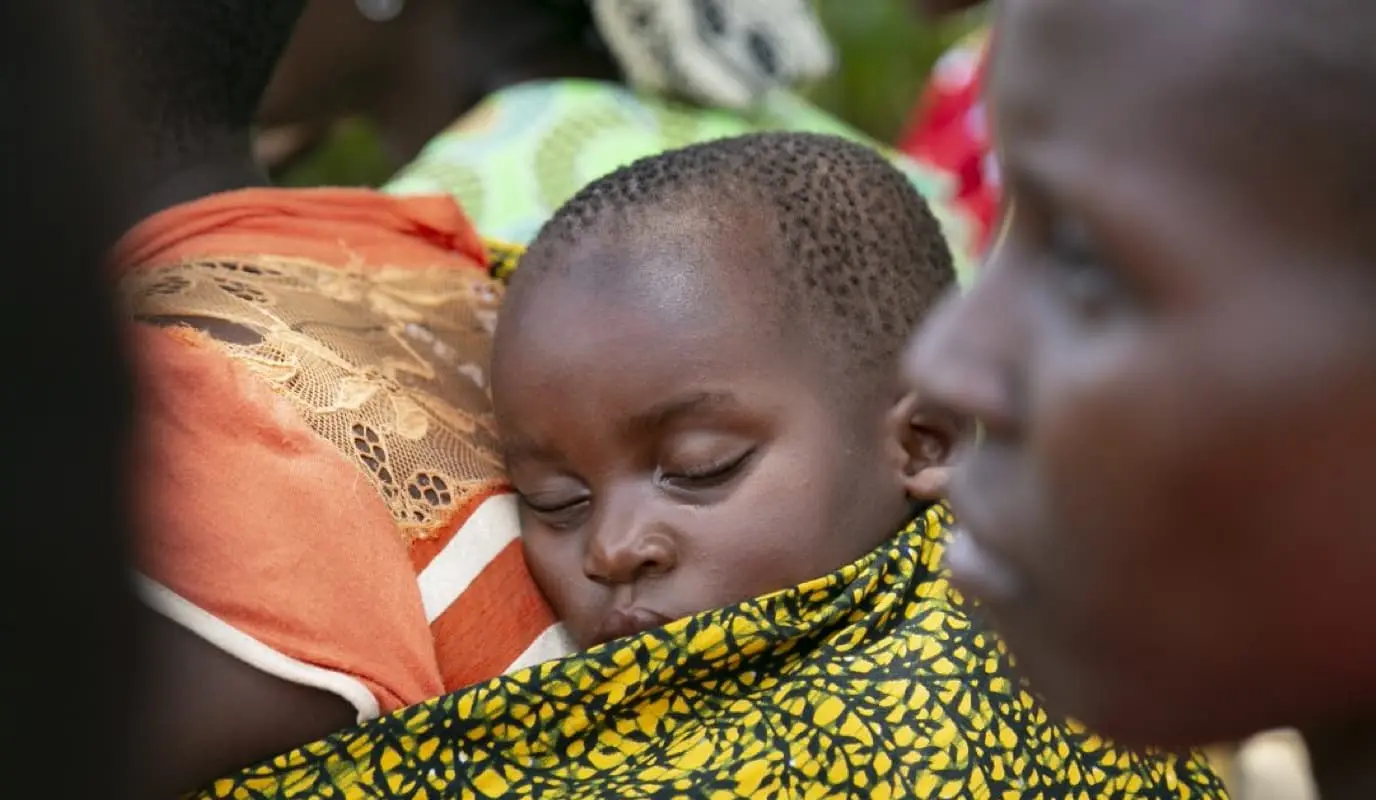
966 356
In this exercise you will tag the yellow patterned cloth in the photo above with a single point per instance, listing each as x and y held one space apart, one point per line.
871 682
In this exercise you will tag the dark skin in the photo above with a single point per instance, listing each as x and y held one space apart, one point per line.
696 456
213 714
1173 358
413 75
220 163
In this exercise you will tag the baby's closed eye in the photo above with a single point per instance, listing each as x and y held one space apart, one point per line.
555 507
704 460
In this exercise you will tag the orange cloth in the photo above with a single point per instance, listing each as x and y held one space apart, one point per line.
265 535
334 226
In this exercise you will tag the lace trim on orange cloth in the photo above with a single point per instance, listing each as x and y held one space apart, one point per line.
388 364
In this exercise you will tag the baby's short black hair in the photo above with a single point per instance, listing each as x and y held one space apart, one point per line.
197 66
863 258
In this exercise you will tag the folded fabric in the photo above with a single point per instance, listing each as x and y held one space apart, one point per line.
950 132
873 681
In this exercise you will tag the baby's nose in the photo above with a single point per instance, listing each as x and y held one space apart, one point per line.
626 556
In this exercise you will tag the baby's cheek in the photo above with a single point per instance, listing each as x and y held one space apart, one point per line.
802 514
778 541
553 569
557 568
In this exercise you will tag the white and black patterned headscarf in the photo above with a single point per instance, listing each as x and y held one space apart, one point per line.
722 53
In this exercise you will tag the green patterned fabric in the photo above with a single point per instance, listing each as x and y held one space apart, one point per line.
525 150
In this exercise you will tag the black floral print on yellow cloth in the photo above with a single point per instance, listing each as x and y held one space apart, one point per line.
502 258
872 682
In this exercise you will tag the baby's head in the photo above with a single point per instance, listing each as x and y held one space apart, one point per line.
695 375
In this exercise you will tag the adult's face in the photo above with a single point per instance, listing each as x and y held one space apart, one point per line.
1173 356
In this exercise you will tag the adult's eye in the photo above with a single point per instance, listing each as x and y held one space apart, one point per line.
1083 277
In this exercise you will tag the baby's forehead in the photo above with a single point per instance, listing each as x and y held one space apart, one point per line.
682 299
709 262
637 330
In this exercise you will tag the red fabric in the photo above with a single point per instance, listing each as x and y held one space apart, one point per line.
949 130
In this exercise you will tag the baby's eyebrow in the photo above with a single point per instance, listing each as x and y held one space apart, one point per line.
660 414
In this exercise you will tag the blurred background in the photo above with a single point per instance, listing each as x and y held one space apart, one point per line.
885 49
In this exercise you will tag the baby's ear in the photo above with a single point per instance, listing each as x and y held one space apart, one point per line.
921 439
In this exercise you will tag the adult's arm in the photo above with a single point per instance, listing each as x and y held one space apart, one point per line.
210 714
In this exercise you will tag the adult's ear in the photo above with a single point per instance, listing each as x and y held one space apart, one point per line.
921 439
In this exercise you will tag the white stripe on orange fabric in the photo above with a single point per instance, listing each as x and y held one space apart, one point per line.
253 652
554 643
492 526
